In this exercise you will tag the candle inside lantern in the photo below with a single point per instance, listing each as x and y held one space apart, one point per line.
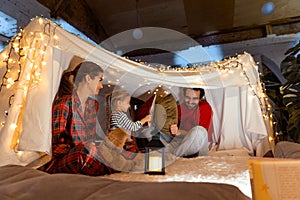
155 164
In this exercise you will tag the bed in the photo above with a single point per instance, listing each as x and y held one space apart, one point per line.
221 175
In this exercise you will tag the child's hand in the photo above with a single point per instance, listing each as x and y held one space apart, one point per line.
146 119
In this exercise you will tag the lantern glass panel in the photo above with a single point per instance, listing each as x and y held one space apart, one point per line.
155 157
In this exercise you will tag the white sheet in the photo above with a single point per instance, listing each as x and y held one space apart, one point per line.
229 167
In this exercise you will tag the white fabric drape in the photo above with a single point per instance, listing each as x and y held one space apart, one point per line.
237 118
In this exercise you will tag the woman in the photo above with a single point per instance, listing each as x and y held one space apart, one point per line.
74 118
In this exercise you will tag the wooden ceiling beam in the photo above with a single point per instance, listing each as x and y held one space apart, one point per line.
101 30
78 14
255 32
58 6
98 23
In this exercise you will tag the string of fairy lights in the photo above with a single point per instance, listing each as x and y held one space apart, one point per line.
29 48
228 65
26 48
7 79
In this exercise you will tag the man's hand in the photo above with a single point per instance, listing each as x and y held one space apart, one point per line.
174 129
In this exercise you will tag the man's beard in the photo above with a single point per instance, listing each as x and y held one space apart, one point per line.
191 106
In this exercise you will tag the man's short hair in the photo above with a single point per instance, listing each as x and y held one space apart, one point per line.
202 92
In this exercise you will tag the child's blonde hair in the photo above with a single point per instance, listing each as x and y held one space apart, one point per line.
118 95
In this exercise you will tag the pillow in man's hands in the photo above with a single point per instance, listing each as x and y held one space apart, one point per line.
165 111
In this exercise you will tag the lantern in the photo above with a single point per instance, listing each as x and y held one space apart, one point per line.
155 156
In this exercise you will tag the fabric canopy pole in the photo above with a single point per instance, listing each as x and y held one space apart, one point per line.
42 51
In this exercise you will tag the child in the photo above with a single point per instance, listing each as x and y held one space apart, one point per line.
120 103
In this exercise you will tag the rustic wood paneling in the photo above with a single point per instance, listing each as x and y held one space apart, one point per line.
23 11
248 12
79 14
208 16
209 22
150 13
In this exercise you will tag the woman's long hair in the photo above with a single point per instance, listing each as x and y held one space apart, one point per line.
70 79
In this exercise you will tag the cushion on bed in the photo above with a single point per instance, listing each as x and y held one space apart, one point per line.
166 112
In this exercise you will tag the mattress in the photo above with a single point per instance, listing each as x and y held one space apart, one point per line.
217 176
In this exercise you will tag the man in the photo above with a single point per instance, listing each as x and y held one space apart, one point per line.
191 133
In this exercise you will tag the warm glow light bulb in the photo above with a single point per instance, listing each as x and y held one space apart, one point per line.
42 36
271 138
40 20
10 80
13 126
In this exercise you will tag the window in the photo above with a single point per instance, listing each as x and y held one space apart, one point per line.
73 30
8 28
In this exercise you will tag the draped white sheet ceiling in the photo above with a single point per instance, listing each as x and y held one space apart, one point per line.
35 59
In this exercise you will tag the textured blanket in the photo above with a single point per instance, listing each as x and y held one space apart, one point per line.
17 182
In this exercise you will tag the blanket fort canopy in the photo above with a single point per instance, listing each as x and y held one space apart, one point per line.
32 64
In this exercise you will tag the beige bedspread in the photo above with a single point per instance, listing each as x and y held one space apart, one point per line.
17 182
